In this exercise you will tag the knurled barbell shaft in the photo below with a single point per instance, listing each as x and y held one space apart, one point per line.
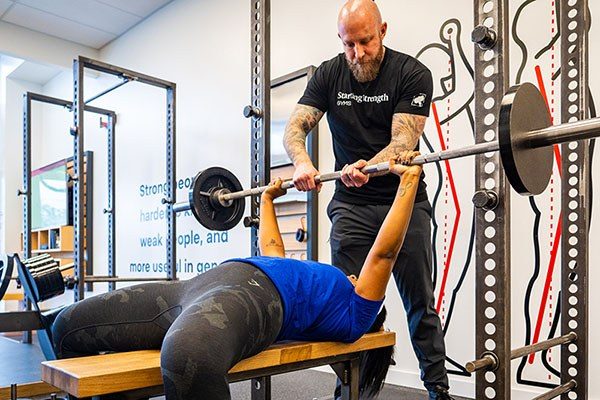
369 169
479 148
488 361
383 167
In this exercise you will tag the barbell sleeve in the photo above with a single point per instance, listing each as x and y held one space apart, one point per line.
479 148
563 133
183 206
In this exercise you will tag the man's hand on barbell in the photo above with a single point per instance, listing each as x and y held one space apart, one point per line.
304 177
352 175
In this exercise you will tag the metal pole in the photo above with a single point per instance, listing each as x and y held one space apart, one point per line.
112 279
490 360
110 89
566 388
546 344
111 210
78 168
493 305
260 141
575 197
563 133
171 164
26 192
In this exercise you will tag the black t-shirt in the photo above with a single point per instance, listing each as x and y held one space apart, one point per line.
360 115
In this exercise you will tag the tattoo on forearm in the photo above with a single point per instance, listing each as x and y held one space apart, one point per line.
406 131
403 188
274 243
302 121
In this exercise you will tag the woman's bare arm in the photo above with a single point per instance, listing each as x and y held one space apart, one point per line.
380 261
269 237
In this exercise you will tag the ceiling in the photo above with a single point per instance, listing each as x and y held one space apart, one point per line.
93 23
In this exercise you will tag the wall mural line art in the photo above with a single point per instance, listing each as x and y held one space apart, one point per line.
445 201
545 63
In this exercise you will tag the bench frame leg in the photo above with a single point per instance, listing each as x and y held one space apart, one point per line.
348 372
261 388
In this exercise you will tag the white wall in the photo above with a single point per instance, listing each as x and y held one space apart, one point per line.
12 135
204 48
30 45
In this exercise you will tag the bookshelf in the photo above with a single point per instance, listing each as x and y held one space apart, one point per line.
57 241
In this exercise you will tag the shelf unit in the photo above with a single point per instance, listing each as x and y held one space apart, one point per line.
57 240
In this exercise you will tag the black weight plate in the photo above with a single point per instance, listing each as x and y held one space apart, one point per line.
523 110
208 211
49 283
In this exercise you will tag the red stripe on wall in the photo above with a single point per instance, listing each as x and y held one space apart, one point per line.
458 212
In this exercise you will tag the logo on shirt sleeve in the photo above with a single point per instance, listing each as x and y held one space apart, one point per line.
419 100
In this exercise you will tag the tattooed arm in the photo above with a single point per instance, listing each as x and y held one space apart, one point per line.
406 131
302 121
380 261
269 237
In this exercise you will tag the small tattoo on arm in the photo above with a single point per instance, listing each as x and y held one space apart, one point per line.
403 189
274 243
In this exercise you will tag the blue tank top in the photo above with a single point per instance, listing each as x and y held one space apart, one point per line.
319 302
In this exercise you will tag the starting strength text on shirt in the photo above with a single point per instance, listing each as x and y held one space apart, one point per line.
345 99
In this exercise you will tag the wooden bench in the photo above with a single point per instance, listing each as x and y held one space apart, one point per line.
30 389
137 374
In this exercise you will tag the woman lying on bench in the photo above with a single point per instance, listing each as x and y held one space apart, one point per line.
206 324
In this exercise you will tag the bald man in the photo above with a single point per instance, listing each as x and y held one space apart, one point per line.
377 101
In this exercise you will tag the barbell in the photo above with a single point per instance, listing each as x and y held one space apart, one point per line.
525 140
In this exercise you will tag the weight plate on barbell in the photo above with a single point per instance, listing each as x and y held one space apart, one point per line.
524 110
205 205
49 283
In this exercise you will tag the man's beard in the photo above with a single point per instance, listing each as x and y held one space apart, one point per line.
367 70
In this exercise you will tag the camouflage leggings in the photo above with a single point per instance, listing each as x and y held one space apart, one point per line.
203 326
